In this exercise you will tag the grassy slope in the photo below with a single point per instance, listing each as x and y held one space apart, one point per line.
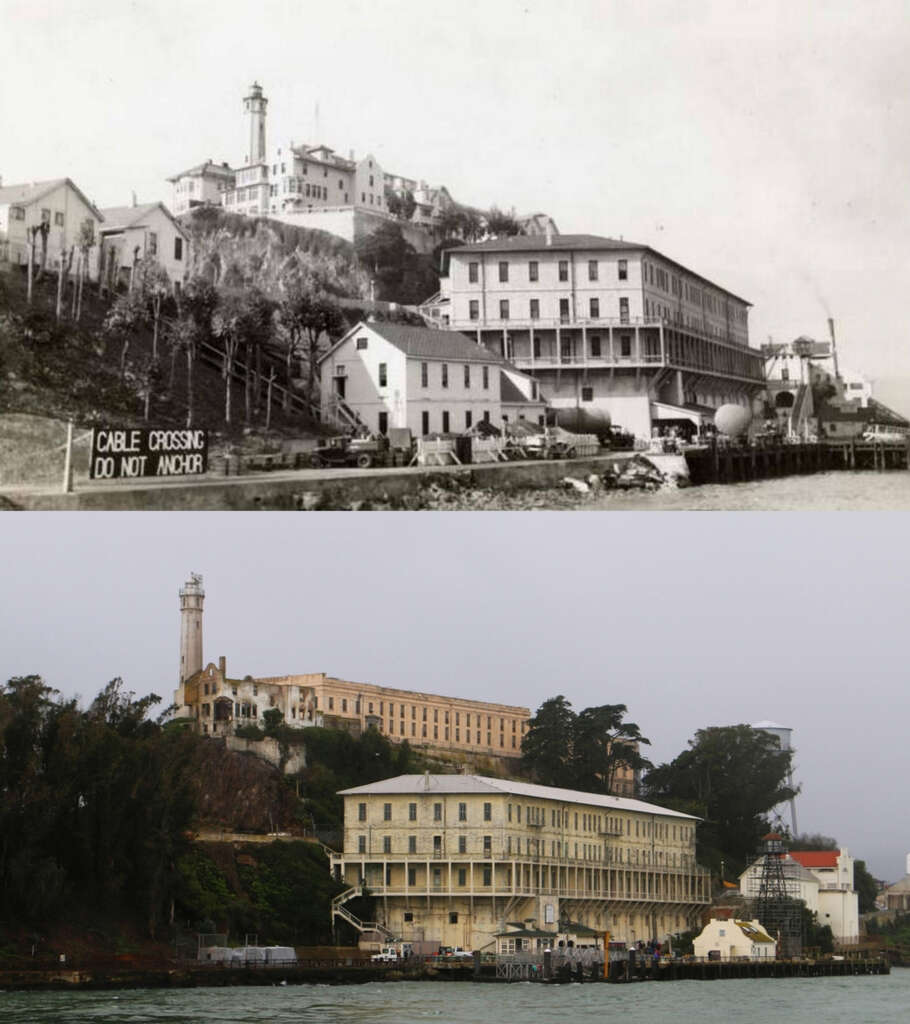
78 377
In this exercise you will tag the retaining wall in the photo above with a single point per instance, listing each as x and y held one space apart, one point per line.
290 491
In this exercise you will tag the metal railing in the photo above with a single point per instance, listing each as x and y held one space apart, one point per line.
530 889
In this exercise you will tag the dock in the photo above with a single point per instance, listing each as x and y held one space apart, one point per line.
561 970
726 465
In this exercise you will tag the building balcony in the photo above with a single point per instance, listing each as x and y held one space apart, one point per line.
619 324
551 323
489 857
523 889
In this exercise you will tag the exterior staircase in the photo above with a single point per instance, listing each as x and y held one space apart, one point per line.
212 357
342 415
340 910
798 412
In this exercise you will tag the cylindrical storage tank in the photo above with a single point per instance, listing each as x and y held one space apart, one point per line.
733 420
583 421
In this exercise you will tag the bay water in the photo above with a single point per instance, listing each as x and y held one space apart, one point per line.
842 491
875 999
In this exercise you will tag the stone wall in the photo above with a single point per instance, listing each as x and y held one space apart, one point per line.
286 492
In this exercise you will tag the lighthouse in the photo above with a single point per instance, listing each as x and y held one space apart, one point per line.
192 597
254 106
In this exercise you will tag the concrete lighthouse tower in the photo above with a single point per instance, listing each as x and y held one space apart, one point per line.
254 106
191 598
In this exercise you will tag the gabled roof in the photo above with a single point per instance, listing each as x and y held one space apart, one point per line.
573 243
31 192
560 243
510 394
879 413
755 932
206 167
792 870
118 218
424 343
452 784
816 858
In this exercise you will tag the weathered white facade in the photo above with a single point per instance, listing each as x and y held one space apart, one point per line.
62 206
823 880
734 940
453 858
147 231
609 328
202 185
393 375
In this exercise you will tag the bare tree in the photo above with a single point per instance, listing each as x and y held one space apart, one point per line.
86 244
125 317
66 263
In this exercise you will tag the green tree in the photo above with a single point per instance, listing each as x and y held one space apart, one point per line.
271 721
866 887
813 841
241 320
602 746
309 319
387 255
192 327
732 777
501 224
547 746
127 315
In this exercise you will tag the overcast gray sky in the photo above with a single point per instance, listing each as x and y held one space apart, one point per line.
763 144
691 620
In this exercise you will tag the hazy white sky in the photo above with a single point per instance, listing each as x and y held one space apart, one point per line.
691 620
761 142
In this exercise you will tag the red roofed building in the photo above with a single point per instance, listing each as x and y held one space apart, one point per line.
823 879
812 859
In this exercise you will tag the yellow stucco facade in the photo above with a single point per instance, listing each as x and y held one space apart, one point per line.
453 858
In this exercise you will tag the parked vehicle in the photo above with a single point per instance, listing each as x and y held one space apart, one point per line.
362 452
388 954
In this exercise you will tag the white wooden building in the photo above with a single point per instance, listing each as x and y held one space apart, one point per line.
430 381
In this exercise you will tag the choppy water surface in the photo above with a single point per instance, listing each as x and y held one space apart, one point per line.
824 491
860 1000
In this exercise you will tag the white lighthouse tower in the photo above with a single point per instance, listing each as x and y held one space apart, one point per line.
254 106
191 598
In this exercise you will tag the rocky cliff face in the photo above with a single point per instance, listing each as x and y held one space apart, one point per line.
239 792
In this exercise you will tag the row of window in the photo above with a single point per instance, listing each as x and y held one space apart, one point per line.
561 818
446 732
437 812
674 285
356 705
530 847
562 270
565 314
295 187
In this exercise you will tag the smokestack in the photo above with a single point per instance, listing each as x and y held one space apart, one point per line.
134 204
833 347
549 234
222 666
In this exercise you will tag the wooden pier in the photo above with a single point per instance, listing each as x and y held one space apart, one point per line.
725 465
624 970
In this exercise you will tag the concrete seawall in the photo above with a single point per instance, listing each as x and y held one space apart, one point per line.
287 491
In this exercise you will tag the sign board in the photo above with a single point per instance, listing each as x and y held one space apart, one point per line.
121 453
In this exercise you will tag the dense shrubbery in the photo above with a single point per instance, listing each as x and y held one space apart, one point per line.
93 804
336 760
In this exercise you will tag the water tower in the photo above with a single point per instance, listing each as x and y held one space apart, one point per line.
783 734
